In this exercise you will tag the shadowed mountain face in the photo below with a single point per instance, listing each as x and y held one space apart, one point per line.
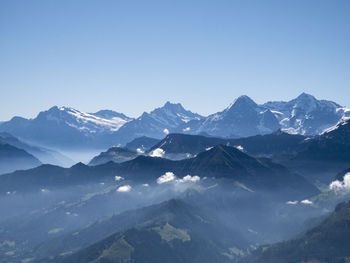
260 145
333 145
12 158
143 143
324 155
220 162
44 155
328 242
114 154
172 231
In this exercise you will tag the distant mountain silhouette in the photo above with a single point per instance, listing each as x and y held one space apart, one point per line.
12 158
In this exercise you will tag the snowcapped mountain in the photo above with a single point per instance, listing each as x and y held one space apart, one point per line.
101 121
241 118
306 115
64 127
156 124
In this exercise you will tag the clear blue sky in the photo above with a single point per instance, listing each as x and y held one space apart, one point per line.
132 56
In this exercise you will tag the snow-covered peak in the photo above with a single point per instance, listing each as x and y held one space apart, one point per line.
109 114
172 107
306 114
173 114
87 122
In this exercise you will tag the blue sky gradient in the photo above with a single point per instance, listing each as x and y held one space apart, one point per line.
132 56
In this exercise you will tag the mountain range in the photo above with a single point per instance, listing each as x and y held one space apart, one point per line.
67 128
251 183
219 162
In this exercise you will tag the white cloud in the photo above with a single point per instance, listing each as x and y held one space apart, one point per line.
209 148
166 131
138 150
165 178
338 185
145 185
189 178
124 189
240 147
159 152
306 202
43 190
292 202
118 178
187 129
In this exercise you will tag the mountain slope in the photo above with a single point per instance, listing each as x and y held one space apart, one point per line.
220 162
66 128
55 177
176 232
325 155
329 242
260 145
114 154
12 158
44 155
143 143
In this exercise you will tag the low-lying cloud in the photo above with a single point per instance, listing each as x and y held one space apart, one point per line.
189 178
159 152
118 178
338 185
306 202
124 189
171 177
165 178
